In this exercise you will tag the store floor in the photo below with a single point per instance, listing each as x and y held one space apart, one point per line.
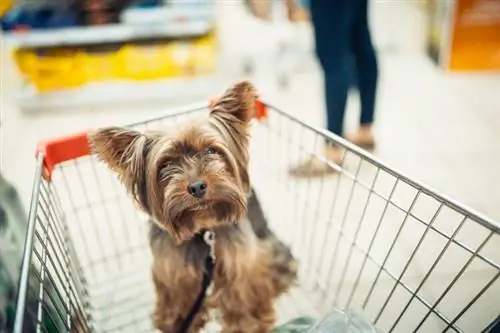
438 128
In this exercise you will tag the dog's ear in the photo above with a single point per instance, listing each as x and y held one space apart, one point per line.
120 148
231 115
125 151
237 104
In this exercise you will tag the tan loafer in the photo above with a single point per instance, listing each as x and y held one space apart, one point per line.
297 13
363 137
260 8
314 168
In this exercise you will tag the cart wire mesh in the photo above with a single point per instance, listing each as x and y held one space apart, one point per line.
367 239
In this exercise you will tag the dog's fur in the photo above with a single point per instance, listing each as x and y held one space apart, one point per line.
253 267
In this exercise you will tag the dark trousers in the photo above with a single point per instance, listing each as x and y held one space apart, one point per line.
344 47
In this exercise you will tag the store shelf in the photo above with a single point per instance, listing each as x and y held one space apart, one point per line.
120 92
105 34
137 24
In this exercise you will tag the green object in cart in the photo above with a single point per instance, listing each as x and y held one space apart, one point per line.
297 325
13 226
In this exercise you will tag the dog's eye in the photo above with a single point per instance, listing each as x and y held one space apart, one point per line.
209 151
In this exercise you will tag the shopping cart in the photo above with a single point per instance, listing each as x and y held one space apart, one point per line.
367 239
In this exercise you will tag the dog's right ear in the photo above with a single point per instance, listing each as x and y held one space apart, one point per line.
236 105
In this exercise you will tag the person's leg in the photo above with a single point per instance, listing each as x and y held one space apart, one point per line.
336 90
367 74
332 21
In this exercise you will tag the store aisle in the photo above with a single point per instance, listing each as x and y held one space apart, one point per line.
438 128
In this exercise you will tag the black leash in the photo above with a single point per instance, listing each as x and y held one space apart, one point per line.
209 239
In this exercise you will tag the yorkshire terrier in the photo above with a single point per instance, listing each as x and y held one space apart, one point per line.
194 180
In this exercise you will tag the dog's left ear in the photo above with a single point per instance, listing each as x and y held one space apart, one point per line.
126 152
237 104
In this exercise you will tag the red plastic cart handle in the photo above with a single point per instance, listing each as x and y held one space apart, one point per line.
62 149
260 108
67 148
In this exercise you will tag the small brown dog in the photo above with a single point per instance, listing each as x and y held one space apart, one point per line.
198 180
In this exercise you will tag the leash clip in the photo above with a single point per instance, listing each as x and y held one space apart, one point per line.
209 239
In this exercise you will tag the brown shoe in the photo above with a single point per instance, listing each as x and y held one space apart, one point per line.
296 13
363 137
313 167
260 8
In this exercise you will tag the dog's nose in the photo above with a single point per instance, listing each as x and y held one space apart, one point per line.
198 188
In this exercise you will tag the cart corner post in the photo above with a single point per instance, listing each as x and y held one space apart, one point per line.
28 245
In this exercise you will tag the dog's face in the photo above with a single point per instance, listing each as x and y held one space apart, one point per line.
193 179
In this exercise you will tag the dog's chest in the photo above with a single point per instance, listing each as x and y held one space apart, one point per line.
235 253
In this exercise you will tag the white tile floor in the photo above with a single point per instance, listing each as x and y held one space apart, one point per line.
439 128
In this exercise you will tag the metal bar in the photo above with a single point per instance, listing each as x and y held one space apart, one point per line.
43 290
106 209
43 263
393 204
306 204
372 241
296 196
77 216
396 237
68 241
342 226
28 246
128 251
330 216
356 233
58 244
392 276
57 273
268 146
75 274
315 218
478 295
494 322
461 208
282 151
60 247
132 305
429 272
91 211
452 283
410 260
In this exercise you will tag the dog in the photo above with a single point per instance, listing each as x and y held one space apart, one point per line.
190 181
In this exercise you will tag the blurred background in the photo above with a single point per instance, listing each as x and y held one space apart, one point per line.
69 65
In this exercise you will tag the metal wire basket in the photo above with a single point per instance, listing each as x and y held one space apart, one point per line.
367 239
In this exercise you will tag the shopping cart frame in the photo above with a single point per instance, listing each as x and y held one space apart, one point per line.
50 154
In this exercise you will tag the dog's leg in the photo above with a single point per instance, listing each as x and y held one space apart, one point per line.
256 315
247 301
172 306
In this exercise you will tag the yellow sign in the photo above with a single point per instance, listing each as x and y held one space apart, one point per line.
476 35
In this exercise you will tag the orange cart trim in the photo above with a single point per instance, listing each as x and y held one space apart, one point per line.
260 108
62 149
